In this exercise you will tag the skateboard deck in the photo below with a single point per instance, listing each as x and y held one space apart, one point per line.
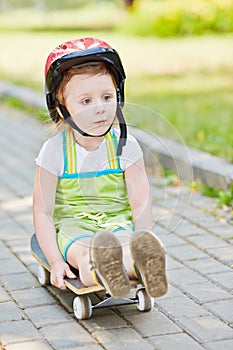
73 284
82 304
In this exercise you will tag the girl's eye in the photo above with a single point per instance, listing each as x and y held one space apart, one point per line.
86 101
107 98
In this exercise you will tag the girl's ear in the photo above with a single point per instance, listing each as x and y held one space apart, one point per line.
59 112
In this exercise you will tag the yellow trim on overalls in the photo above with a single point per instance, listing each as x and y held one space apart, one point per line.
70 157
113 160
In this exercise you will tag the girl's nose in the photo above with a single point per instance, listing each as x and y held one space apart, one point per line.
99 106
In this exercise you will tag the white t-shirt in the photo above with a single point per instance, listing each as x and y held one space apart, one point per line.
51 156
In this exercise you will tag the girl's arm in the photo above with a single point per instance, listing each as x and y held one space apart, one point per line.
43 207
139 197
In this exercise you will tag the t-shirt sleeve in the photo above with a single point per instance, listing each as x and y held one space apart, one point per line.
131 152
50 156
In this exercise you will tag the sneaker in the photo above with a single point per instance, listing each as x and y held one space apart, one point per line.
106 261
149 261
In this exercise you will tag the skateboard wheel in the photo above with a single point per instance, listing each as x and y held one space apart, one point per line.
43 276
82 307
145 302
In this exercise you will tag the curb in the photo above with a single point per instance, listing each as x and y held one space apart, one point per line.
186 162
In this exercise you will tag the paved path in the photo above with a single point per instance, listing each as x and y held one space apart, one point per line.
197 312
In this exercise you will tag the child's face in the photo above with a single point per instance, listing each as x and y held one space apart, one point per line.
91 101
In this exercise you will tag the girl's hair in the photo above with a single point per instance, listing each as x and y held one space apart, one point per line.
92 70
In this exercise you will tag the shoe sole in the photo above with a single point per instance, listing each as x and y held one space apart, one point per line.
106 257
149 256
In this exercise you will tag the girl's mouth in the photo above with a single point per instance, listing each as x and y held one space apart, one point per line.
100 122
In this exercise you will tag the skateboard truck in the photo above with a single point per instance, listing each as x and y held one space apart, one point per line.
83 307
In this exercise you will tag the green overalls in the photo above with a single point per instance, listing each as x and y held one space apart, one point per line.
89 201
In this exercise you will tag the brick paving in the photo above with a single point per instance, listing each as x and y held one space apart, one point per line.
197 312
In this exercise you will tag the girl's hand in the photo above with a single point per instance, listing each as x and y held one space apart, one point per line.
59 270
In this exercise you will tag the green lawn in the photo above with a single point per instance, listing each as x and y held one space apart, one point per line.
180 88
202 116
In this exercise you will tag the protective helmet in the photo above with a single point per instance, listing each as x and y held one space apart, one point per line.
77 53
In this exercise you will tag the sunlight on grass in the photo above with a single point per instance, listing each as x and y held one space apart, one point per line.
199 106
76 18
191 91
172 18
149 56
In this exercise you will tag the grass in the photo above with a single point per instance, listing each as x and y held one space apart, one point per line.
13 102
224 198
180 88
65 18
172 18
201 116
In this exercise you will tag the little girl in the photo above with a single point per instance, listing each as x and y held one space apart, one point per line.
91 200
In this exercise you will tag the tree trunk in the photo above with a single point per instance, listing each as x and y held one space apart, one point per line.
129 4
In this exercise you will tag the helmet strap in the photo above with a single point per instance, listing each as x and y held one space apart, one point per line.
123 127
73 125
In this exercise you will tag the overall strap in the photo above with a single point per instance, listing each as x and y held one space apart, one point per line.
69 152
112 145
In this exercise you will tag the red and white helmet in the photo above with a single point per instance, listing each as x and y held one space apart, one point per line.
75 53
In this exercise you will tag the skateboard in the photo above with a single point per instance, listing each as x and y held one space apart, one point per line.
82 304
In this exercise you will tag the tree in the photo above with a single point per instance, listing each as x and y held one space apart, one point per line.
129 4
